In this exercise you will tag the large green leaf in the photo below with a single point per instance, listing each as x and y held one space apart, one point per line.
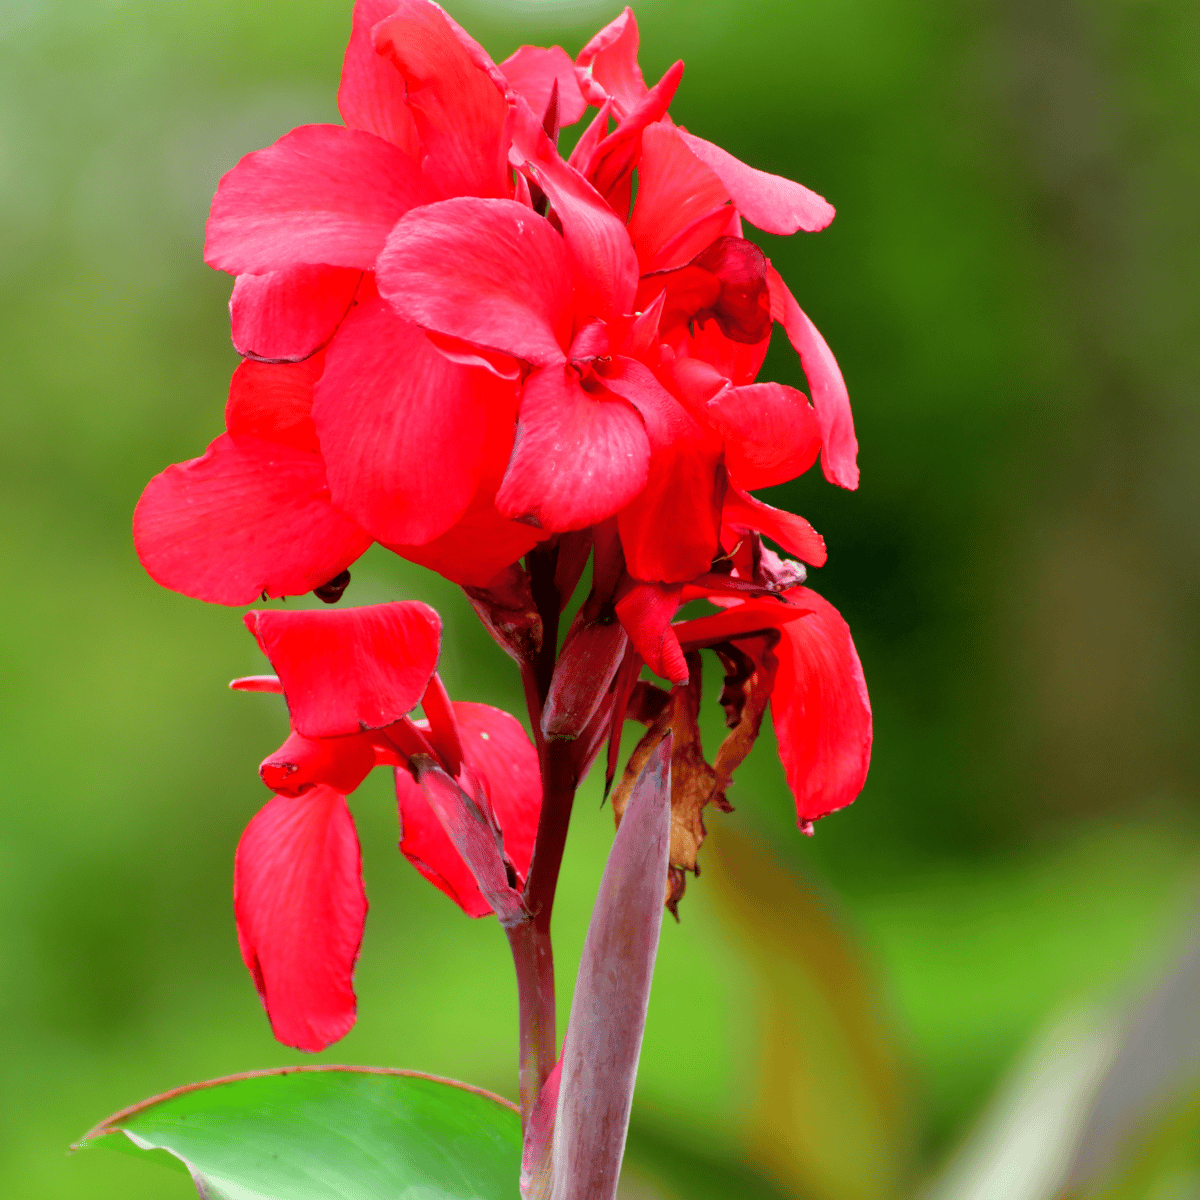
330 1133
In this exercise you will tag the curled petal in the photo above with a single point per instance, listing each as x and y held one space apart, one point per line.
403 429
300 907
321 194
609 64
372 92
774 204
458 107
839 451
249 517
646 611
532 72
288 315
744 514
770 430
350 669
739 620
488 271
821 711
301 764
579 455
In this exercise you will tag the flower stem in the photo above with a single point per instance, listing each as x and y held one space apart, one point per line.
533 954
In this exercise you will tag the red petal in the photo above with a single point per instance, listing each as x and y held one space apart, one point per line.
474 550
500 751
736 361
532 72
821 710
744 513
610 165
737 621
488 271
610 59
771 202
839 445
321 194
579 456
459 111
670 530
605 266
675 189
402 427
288 315
273 401
646 611
248 517
770 430
302 763
372 92
350 669
428 847
300 906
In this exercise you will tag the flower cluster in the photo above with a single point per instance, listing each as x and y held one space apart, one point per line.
480 354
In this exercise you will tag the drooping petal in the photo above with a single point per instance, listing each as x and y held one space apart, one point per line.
670 530
488 271
743 513
675 189
301 764
288 315
321 194
579 455
839 452
821 711
739 620
605 265
646 610
532 72
273 401
459 110
774 204
770 430
402 428
300 906
610 61
248 517
498 749
350 669
372 92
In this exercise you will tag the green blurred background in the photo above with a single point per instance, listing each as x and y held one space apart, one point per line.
1010 289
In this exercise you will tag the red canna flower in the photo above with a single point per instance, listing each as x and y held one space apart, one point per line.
350 678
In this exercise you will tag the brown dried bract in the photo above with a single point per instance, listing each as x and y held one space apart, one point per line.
750 675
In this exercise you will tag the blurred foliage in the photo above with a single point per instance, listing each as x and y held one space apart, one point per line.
1009 287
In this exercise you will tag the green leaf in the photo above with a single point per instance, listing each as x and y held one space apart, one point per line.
331 1133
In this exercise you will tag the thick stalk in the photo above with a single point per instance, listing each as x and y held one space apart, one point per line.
533 955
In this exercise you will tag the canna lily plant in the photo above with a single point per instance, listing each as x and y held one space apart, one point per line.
498 364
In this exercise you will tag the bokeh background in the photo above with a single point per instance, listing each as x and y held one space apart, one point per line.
967 966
